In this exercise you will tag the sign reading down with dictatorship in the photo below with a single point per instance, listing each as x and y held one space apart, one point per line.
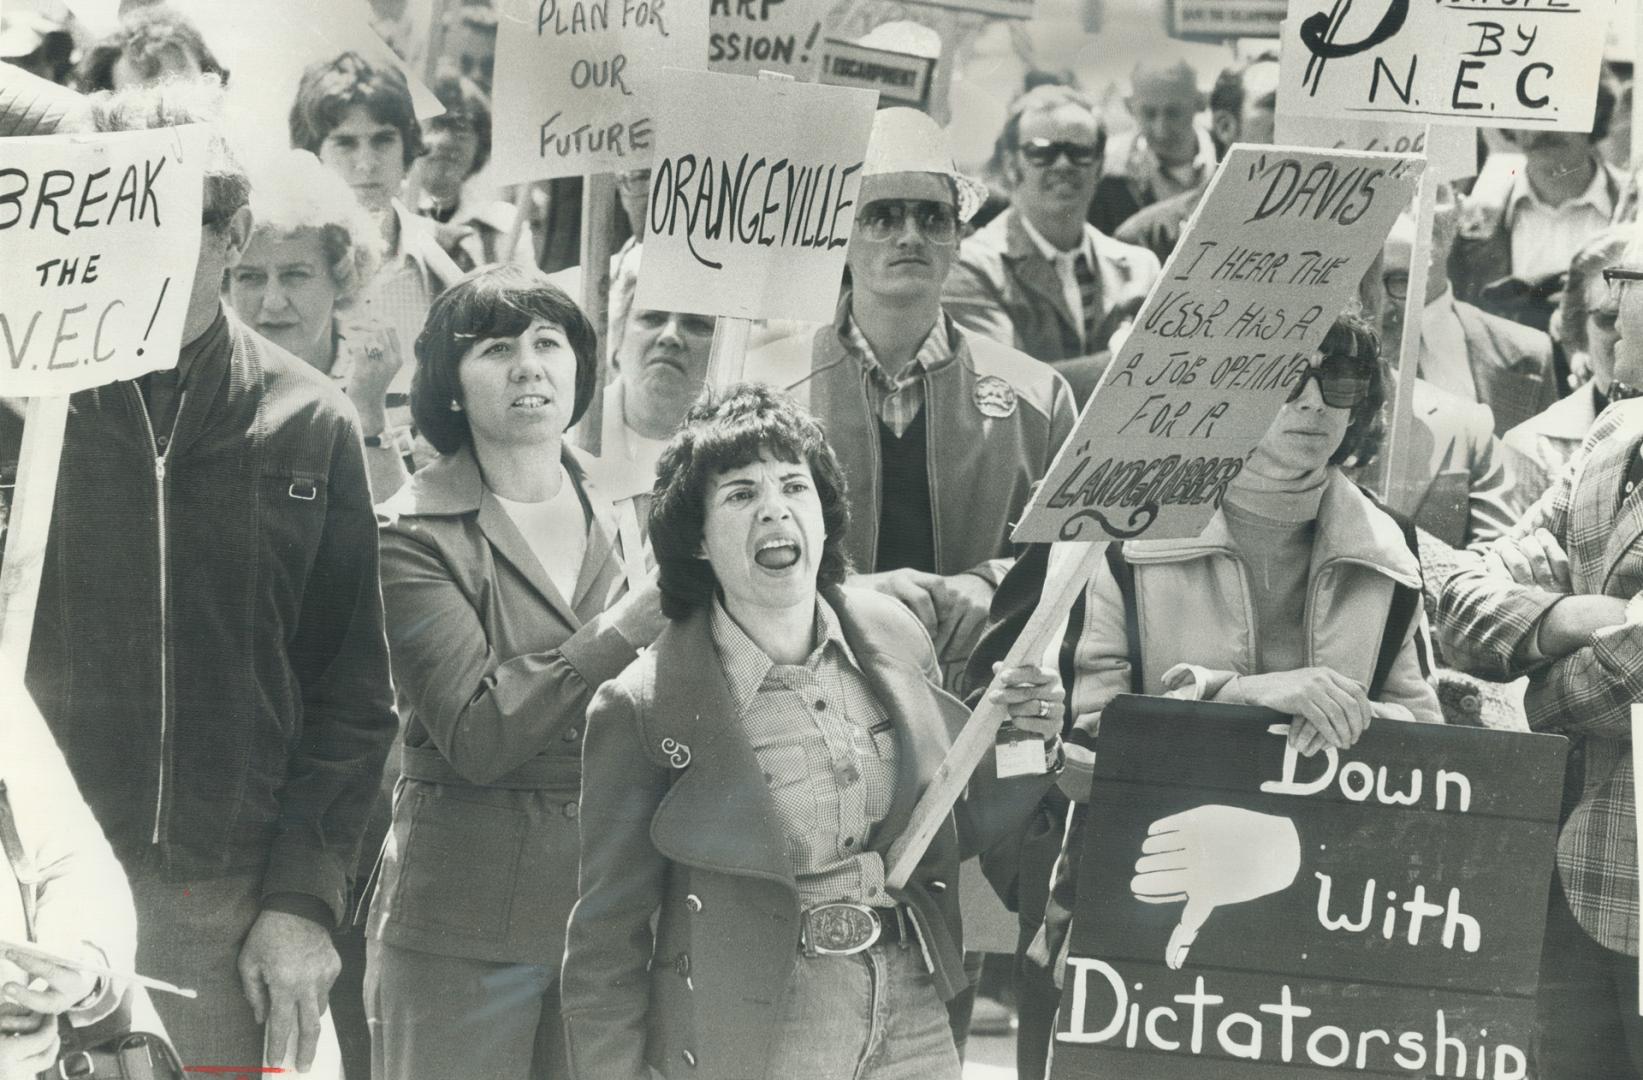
1245 913
100 234
1272 255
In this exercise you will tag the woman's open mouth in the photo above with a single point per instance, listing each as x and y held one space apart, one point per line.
777 554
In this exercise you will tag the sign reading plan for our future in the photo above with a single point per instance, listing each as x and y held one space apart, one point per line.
752 195
1492 63
575 83
100 235
1244 912
1273 253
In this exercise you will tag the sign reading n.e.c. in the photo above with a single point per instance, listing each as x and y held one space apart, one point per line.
1244 912
1522 64
100 234
1271 256
751 212
574 83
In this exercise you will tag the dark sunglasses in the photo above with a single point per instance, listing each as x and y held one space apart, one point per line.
1342 382
1043 152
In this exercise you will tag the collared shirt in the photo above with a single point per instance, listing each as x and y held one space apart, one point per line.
899 398
828 752
1546 237
1066 271
1444 362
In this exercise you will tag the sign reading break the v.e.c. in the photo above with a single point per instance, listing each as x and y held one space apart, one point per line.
752 195
1244 913
1491 63
1272 255
100 235
575 82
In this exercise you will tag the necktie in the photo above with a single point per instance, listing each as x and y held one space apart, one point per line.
1089 292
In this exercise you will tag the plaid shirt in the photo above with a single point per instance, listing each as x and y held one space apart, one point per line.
1487 625
898 399
828 753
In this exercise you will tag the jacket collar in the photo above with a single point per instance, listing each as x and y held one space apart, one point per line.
719 814
1567 418
1350 528
1034 271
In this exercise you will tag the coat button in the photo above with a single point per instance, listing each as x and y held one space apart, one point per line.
938 886
572 810
693 903
572 734
681 964
690 1059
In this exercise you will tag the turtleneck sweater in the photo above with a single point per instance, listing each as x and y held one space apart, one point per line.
1273 523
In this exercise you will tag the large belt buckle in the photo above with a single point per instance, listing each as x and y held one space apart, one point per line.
840 929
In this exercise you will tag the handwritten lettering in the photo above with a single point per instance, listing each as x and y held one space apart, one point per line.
711 200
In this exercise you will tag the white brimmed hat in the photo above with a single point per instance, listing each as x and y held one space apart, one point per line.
909 141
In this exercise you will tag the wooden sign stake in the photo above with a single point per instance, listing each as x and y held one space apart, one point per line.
598 222
1069 569
29 526
1397 473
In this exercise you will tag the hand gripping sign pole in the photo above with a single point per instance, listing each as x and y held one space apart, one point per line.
1271 256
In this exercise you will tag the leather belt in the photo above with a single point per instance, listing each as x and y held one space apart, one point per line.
845 929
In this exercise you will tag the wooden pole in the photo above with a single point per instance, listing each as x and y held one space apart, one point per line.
29 526
1069 569
1398 479
521 214
598 226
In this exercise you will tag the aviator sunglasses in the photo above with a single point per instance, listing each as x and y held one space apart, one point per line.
884 219
1043 152
1342 382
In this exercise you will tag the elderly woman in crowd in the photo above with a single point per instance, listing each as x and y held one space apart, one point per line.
508 605
312 251
1300 595
1587 319
745 778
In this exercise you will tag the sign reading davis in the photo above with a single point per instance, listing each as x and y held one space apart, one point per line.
1243 911
1493 63
1273 253
101 234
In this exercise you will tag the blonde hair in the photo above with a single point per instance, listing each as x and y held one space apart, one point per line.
295 194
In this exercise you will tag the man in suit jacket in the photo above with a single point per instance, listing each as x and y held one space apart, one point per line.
1557 599
1038 277
1465 350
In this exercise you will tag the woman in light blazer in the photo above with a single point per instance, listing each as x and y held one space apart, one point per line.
508 604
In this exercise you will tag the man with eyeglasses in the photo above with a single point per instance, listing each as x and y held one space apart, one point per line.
1039 277
1464 350
942 433
1558 600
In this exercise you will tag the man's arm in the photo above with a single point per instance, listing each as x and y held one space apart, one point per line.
1593 688
1504 485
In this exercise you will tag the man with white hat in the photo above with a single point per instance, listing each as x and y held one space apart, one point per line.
942 433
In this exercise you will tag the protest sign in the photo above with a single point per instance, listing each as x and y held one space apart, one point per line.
1222 19
1243 912
1451 151
899 78
1271 256
1523 63
750 36
575 84
101 234
750 214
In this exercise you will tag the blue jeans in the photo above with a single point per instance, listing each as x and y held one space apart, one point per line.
872 1016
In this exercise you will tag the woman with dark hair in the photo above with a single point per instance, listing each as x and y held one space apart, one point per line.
743 781
1301 594
509 601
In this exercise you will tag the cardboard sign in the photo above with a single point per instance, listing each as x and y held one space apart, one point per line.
899 78
1002 9
1270 257
575 84
750 36
1521 64
750 214
101 234
1223 19
1243 911
1451 153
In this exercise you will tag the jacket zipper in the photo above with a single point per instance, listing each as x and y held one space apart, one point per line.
164 637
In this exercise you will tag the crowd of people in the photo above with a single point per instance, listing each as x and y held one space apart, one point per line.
444 677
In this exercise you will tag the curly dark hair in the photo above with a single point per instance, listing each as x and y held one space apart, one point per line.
494 301
467 108
728 431
331 87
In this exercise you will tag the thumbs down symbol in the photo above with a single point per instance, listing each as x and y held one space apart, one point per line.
1211 856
